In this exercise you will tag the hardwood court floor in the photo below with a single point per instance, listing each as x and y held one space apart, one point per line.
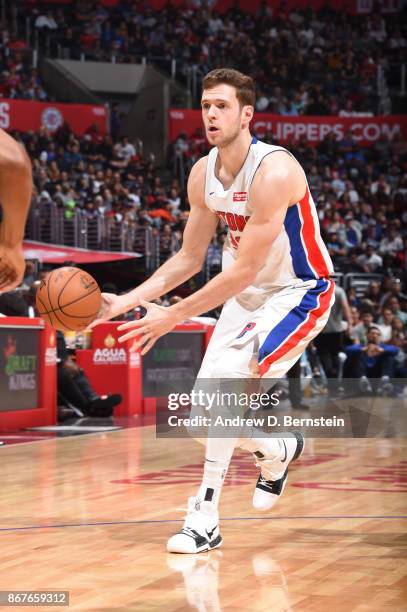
92 514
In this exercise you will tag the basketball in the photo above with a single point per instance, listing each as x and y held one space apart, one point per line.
68 299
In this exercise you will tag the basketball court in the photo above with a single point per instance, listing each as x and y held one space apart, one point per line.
91 515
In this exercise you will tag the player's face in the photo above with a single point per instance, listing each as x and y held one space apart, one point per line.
223 116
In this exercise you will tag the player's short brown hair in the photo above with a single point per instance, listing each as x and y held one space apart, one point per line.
244 85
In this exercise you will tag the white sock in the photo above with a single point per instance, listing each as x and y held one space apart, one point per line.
219 452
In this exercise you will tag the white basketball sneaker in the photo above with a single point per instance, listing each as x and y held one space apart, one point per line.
273 476
200 531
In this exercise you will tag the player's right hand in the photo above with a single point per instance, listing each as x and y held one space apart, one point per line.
112 306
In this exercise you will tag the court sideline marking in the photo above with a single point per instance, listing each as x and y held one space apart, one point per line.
237 518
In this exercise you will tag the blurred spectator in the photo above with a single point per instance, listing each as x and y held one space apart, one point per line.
74 387
385 324
375 360
360 331
394 305
329 342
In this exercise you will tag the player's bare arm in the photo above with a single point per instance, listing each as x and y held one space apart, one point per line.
183 265
15 198
278 183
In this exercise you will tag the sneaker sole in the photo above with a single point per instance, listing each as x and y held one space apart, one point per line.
216 543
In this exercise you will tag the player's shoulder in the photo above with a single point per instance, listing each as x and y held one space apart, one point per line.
196 180
198 172
279 173
199 168
279 161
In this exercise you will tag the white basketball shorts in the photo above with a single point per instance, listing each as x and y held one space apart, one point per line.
268 341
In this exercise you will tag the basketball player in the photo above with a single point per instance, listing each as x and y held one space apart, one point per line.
275 285
15 198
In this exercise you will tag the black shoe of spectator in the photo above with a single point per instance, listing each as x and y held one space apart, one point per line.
102 407
64 414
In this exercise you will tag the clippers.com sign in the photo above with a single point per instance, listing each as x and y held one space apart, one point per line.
365 130
27 116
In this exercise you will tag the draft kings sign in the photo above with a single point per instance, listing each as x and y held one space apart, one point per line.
19 371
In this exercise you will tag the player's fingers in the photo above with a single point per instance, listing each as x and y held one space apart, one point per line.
148 346
140 340
131 334
145 304
131 324
94 323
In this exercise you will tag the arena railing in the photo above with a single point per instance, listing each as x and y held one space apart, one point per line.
51 223
360 281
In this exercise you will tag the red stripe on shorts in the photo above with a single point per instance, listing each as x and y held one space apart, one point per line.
303 330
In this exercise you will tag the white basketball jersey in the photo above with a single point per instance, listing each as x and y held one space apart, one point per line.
298 253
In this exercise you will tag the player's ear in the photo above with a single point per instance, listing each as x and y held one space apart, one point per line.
247 115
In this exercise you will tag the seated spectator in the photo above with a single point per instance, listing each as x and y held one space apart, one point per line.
370 260
385 324
399 339
391 243
394 288
375 360
355 316
75 388
394 305
373 291
360 330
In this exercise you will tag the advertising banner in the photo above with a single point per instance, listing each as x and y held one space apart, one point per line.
19 368
173 363
26 115
285 129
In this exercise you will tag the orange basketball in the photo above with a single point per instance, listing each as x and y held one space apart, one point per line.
69 299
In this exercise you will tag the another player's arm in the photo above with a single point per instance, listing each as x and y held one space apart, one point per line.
15 198
275 187
189 260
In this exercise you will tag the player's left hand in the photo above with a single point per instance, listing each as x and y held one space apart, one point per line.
158 321
12 266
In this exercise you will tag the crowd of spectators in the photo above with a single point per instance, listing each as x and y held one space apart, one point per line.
378 321
104 178
360 192
304 62
18 78
361 196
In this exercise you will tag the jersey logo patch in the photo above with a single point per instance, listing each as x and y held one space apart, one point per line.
247 328
240 196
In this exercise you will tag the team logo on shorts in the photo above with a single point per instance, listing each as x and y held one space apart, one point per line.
247 328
